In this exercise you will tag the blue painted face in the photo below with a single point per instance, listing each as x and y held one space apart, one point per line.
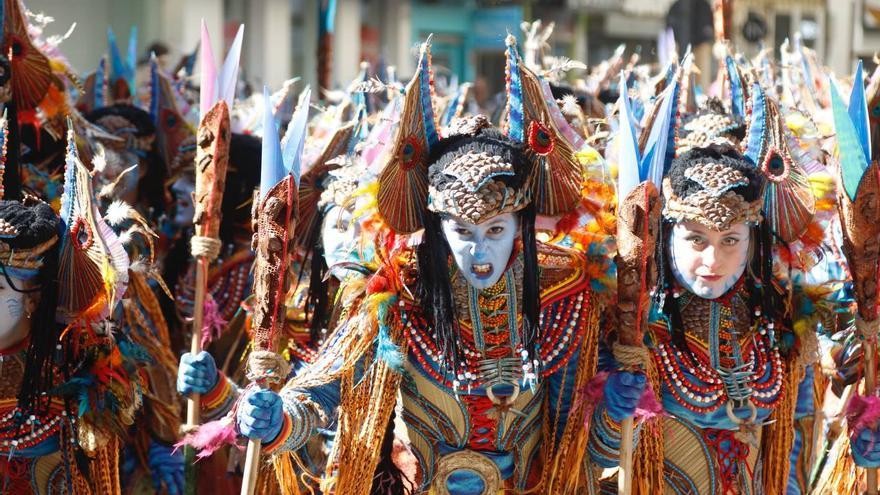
338 233
13 306
706 261
481 251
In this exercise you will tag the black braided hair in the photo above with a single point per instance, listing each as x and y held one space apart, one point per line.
317 299
242 177
36 224
433 254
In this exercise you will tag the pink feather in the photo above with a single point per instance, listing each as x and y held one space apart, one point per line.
863 412
210 437
592 393
649 407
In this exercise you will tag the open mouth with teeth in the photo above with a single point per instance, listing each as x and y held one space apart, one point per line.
481 270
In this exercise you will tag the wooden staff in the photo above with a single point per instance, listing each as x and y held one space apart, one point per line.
861 243
637 224
212 157
274 218
858 205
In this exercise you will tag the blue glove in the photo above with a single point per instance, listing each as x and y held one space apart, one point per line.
166 468
260 416
196 373
866 448
622 393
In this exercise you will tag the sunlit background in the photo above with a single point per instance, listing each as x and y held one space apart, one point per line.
281 36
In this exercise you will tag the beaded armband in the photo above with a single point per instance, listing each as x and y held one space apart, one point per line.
219 399
302 417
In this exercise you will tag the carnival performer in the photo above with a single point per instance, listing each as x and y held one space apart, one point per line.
327 239
729 364
486 333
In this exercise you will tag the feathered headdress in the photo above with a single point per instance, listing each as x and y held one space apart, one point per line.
31 71
94 94
172 129
534 120
93 266
789 204
314 180
403 183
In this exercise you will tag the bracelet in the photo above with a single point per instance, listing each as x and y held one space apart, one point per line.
283 435
219 399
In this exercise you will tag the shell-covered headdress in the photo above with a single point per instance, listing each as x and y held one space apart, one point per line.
28 230
478 173
714 188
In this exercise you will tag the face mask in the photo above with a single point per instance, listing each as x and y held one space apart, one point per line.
12 311
337 236
183 202
481 251
708 262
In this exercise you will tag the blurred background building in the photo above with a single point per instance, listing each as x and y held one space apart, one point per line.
281 36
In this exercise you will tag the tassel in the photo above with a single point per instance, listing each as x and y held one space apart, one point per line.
386 350
212 322
210 437
649 454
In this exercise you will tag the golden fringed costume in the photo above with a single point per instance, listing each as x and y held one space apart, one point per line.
731 370
507 414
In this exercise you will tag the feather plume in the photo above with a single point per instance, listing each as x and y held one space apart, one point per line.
118 212
560 66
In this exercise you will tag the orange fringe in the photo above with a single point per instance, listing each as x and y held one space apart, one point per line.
563 470
649 454
777 438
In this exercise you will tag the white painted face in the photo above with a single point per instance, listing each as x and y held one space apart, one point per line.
482 251
708 262
337 234
183 202
14 307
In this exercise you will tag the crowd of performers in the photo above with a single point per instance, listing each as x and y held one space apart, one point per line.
616 278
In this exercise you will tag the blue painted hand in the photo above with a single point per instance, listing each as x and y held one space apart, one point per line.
197 373
260 416
166 467
622 393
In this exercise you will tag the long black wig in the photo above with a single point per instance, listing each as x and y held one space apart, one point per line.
434 255
36 224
